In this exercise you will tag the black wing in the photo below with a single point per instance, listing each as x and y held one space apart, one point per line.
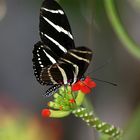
42 57
54 27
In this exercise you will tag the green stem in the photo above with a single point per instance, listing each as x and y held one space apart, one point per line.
59 114
119 28
80 97
95 122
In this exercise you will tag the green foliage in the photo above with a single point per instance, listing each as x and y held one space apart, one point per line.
133 130
119 28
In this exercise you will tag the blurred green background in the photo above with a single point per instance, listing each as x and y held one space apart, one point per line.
19 21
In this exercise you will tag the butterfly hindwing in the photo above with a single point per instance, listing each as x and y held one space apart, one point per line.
59 73
54 27
69 68
79 58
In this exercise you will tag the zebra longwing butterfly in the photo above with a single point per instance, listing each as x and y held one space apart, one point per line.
56 60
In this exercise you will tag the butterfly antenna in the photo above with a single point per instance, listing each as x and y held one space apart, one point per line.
107 82
101 66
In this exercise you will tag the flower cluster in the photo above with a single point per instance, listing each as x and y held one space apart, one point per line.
64 102
69 100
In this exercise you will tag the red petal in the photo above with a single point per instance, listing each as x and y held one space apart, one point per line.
91 84
45 113
76 86
87 79
85 89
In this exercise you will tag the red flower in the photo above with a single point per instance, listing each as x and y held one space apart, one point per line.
85 86
72 100
46 113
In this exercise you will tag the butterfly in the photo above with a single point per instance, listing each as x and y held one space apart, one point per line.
56 60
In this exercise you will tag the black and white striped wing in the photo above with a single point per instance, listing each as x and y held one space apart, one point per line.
70 68
80 59
59 73
43 57
54 28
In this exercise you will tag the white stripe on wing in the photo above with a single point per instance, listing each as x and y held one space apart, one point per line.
55 42
50 57
53 11
81 51
58 28
65 80
75 67
78 57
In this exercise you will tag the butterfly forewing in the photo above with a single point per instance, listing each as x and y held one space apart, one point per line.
55 30
42 57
